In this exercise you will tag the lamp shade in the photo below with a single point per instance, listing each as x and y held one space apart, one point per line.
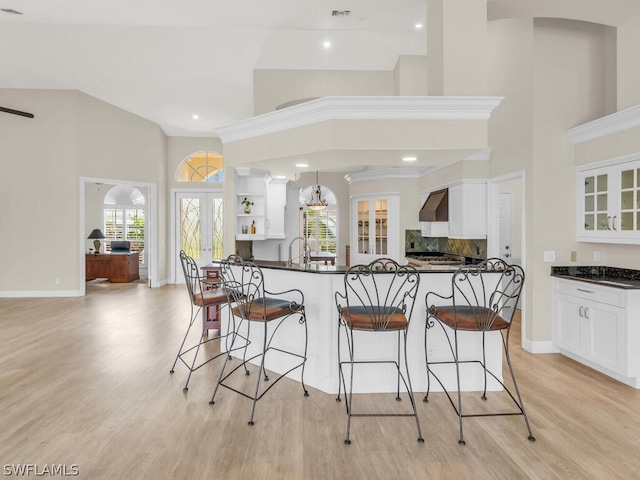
96 233
317 202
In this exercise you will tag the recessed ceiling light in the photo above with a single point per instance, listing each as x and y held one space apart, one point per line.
302 165
409 159
418 26
280 177
326 44
195 116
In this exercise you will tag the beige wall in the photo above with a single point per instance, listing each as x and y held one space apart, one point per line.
72 135
569 80
272 88
410 75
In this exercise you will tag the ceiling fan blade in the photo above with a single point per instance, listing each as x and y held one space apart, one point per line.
16 112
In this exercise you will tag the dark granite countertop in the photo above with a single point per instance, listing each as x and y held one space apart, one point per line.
320 267
606 276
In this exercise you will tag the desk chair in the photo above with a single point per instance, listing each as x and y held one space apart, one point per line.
483 299
378 299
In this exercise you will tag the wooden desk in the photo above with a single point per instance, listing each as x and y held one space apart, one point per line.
117 267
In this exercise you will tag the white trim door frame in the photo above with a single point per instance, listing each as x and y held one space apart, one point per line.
151 227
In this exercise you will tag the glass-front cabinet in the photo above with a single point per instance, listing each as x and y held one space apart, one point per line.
375 228
609 204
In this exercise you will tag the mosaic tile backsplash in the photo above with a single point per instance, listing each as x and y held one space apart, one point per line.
415 242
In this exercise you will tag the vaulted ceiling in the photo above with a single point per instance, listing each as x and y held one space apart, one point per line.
167 61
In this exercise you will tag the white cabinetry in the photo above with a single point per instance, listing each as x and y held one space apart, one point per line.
609 204
468 210
276 207
594 324
375 228
268 210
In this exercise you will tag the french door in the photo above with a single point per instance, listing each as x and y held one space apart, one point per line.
198 227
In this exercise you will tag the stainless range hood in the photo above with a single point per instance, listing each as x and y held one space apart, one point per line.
436 207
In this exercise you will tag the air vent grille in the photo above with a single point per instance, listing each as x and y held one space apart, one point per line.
341 13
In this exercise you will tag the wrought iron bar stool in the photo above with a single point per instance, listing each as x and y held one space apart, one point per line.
200 299
483 299
378 298
277 312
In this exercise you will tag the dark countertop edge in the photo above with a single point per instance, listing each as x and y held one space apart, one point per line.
600 275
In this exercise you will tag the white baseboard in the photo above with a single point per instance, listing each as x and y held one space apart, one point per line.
40 293
546 346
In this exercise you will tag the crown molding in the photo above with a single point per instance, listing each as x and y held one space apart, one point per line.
616 122
361 108
386 173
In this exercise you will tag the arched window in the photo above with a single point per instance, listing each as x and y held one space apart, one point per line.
201 167
124 218
319 227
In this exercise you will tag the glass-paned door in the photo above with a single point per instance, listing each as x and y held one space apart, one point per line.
376 229
596 204
199 227
629 200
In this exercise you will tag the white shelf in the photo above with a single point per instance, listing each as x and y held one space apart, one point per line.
249 236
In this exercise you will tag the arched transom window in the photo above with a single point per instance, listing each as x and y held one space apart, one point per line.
201 167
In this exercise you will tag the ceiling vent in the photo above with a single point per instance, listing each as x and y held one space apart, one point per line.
341 13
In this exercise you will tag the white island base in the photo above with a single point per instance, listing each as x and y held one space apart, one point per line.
319 283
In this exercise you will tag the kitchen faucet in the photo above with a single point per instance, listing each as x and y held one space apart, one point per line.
307 250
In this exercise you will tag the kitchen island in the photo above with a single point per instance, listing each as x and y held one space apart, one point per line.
319 282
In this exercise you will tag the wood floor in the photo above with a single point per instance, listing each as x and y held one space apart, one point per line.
85 381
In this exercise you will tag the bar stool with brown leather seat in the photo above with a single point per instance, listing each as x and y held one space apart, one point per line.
378 299
279 313
483 300
200 299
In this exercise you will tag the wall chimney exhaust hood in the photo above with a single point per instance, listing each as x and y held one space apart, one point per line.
436 207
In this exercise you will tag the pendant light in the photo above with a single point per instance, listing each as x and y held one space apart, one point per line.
317 202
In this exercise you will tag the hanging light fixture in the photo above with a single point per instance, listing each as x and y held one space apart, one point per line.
316 203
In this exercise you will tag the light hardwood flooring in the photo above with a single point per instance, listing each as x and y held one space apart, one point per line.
86 381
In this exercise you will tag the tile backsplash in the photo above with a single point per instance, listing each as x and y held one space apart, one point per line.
415 242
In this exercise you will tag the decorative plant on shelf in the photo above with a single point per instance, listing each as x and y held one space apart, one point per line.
247 205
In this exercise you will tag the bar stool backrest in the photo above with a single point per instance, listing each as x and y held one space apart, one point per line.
488 291
382 289
244 283
191 276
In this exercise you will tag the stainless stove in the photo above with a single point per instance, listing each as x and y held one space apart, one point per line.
434 260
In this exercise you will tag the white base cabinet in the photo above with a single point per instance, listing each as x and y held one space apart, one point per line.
594 325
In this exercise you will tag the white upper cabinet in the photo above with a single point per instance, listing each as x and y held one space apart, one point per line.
608 207
468 211
276 207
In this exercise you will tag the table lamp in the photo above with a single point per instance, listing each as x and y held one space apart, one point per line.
96 234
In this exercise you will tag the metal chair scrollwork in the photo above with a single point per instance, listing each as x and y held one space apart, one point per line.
200 300
378 299
277 312
483 299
